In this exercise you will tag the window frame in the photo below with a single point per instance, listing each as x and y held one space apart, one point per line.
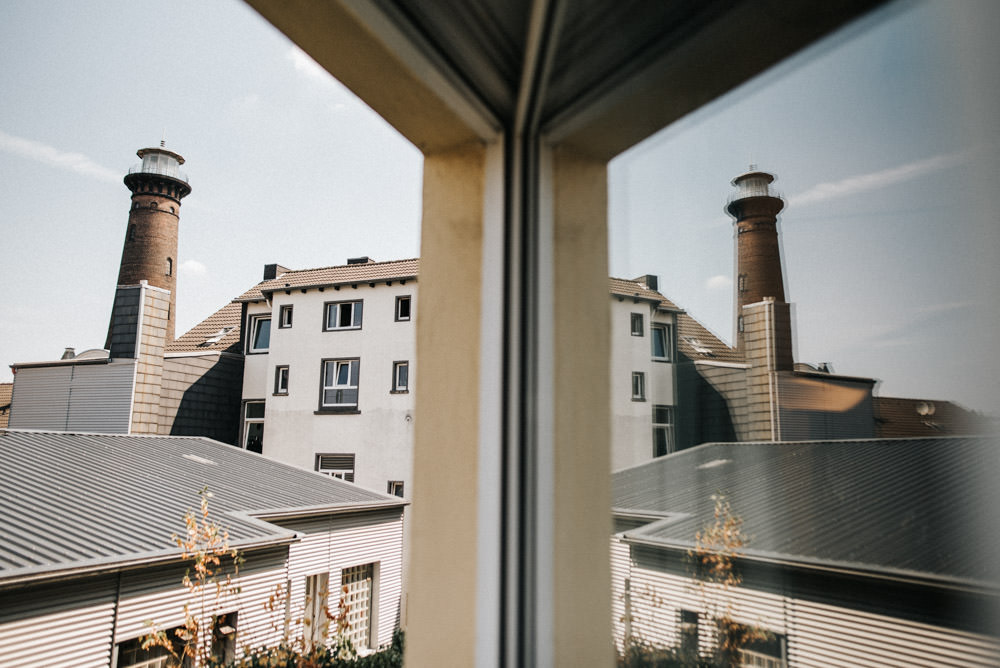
638 386
394 488
285 316
340 472
354 580
357 315
638 319
354 372
397 387
254 321
247 421
668 346
281 373
400 300
664 427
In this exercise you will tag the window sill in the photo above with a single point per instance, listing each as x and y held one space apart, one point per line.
342 329
661 359
337 411
399 391
280 394
638 400
257 352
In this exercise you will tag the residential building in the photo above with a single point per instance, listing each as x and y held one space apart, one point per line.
89 561
861 552
330 363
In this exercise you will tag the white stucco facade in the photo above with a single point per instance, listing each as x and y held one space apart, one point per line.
644 404
375 429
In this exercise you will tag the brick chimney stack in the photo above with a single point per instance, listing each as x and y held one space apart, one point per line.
150 250
758 255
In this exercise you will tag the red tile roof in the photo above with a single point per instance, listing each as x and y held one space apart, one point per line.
339 275
200 337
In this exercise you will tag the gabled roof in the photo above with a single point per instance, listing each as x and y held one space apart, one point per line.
219 331
6 391
634 288
896 417
919 509
696 342
77 503
339 275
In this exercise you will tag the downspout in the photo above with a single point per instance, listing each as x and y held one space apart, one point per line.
114 621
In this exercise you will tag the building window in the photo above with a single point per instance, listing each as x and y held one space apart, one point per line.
663 430
356 586
638 386
253 427
400 377
403 308
281 380
260 334
340 384
131 654
315 618
688 632
170 267
131 231
336 465
637 326
394 488
342 315
760 652
285 316
661 342
224 638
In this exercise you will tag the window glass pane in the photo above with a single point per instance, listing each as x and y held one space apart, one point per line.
343 373
659 342
403 373
255 409
262 334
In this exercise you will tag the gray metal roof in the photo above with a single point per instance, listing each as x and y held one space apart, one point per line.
923 509
84 502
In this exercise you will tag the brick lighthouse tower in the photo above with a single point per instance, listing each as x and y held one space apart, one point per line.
760 289
150 250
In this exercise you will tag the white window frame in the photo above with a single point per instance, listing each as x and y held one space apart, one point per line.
247 421
667 341
315 621
353 365
281 374
400 385
336 310
285 316
338 465
666 428
256 322
638 386
394 488
408 300
357 586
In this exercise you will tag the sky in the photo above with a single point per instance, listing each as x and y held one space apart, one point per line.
883 140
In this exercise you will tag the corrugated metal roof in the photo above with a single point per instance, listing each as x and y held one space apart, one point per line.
904 507
339 275
71 502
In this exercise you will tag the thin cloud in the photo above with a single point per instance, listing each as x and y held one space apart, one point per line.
49 155
193 268
876 180
719 282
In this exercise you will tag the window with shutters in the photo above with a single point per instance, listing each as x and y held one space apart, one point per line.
336 465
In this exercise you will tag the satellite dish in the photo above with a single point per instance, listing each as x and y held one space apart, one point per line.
925 408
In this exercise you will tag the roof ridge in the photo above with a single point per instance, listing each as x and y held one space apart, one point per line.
339 266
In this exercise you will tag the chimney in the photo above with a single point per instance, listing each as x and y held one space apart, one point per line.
364 259
272 271
68 354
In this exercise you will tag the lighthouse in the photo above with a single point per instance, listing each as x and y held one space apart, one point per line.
150 250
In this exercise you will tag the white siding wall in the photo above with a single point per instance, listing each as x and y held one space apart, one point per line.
339 542
68 624
158 595
819 635
79 397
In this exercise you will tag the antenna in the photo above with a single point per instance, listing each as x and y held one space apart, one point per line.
163 138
